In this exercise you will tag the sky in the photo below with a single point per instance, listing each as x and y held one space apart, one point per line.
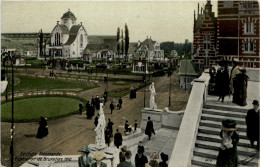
162 20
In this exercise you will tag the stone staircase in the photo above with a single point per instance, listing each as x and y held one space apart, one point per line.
208 139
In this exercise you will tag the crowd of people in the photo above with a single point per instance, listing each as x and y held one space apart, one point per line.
227 155
223 83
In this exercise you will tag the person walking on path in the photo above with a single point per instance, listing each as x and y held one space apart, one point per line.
93 102
112 107
227 156
43 128
127 162
135 126
105 96
96 120
80 107
107 136
240 88
118 139
85 160
110 126
97 102
149 128
88 108
120 102
222 81
252 123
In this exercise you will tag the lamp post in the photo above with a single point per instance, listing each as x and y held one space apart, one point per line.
140 65
12 124
170 87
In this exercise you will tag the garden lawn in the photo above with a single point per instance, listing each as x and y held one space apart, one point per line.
31 109
33 83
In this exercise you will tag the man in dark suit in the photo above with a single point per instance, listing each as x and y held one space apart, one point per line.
149 128
252 122
110 126
118 139
127 162
120 102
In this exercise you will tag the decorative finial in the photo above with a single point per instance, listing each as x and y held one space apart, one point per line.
69 9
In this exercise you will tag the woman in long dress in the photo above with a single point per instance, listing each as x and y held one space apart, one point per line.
227 156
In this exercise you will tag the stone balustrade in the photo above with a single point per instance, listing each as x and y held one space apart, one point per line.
161 118
185 142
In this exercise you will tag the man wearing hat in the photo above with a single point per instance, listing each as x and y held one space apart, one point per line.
227 155
252 122
127 162
98 157
85 160
149 128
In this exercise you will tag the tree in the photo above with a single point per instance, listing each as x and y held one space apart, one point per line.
118 42
167 47
122 42
126 41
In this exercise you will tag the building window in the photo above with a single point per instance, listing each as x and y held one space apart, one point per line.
81 40
206 39
248 27
249 47
206 61
228 4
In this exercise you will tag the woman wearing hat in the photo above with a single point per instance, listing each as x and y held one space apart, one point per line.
222 81
227 156
153 162
85 160
240 87
98 157
122 154
252 123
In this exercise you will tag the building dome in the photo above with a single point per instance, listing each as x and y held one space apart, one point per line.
69 15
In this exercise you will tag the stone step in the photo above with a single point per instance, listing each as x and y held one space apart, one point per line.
219 118
215 146
217 139
216 124
225 107
206 162
212 154
225 113
216 131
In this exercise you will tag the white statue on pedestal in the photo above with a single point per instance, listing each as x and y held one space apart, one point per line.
100 129
152 96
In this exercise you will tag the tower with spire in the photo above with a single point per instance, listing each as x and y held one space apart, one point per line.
204 37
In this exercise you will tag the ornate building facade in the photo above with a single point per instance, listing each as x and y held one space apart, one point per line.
234 34
68 39
238 32
204 37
